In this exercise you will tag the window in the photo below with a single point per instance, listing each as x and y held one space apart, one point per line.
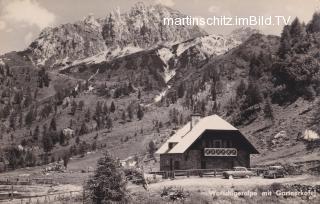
186 156
176 165
171 144
217 143
208 143
225 143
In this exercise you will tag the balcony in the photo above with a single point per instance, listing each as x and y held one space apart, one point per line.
220 152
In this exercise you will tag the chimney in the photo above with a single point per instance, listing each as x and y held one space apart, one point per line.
194 119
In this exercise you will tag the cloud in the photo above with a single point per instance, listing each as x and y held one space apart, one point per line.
214 9
168 3
28 38
217 11
27 12
3 25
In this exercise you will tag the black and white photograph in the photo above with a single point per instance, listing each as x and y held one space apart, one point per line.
159 101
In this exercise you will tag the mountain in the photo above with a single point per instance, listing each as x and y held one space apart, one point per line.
154 68
243 33
139 28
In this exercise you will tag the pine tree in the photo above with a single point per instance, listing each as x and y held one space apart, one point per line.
130 111
47 143
20 119
53 125
12 120
268 112
36 133
87 116
213 92
29 117
296 29
181 90
241 89
28 98
109 124
83 129
255 70
314 25
73 107
105 109
152 148
140 113
253 95
123 116
285 42
108 184
46 80
112 107
81 105
66 159
98 109
62 138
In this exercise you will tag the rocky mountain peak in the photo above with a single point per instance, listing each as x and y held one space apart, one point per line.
243 33
140 27
91 21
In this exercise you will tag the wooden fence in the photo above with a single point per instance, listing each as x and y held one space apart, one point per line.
25 181
47 198
199 172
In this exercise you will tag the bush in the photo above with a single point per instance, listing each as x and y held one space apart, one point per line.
135 176
174 193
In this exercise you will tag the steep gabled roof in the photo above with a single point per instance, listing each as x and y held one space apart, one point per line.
186 137
176 138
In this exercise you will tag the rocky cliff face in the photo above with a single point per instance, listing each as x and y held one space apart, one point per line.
242 33
143 27
157 66
68 42
140 28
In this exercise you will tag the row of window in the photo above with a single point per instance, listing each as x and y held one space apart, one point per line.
217 143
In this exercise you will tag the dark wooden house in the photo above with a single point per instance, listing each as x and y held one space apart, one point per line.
206 143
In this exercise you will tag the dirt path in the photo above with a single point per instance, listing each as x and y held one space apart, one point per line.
195 183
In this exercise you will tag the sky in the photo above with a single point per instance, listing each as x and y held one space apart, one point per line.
21 21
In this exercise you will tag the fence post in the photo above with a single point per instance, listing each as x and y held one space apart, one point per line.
83 195
11 192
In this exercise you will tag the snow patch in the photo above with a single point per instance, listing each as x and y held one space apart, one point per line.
310 135
91 77
41 61
165 55
211 44
104 56
161 95
2 62
168 74
90 88
183 47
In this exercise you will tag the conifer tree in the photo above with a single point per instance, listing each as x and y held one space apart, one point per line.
140 113
112 107
285 42
108 184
